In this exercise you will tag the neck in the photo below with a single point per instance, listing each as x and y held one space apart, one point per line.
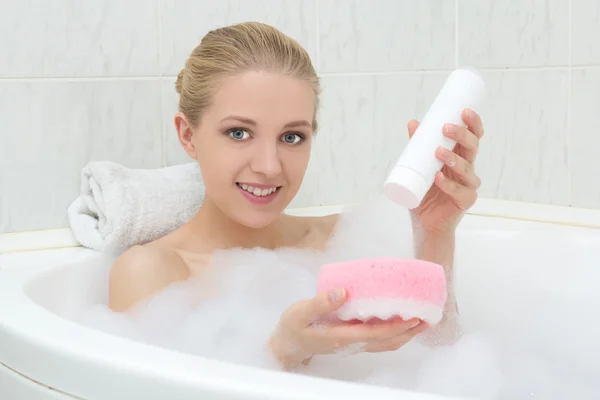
221 232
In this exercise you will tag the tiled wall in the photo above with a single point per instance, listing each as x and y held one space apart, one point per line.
83 81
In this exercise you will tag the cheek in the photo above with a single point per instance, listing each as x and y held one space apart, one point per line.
296 163
217 164
217 170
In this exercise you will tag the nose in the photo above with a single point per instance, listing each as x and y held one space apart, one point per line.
266 161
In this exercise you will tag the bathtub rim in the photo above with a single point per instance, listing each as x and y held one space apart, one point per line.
22 241
26 339
33 338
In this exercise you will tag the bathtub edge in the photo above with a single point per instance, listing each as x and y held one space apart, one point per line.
13 242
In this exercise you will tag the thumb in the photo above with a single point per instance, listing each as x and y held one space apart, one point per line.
412 127
323 304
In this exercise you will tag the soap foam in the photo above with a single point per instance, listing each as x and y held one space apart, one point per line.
230 312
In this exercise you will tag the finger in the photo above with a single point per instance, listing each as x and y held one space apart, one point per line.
320 306
473 121
463 169
465 138
397 342
462 196
369 332
412 127
391 329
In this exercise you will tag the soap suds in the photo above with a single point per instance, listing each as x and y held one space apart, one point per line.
522 339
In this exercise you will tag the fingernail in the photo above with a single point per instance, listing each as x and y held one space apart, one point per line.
449 129
415 323
336 295
470 113
442 176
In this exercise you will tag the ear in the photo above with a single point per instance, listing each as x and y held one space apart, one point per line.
185 133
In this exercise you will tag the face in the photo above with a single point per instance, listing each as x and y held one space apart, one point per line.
253 144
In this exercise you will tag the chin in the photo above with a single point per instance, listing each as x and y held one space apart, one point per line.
256 219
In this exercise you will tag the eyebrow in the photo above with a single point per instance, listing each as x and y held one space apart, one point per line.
293 124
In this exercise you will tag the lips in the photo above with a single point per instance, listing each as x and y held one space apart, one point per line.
258 191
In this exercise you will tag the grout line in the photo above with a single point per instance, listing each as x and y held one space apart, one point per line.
160 40
318 68
380 73
318 28
456 45
79 78
582 67
163 134
569 108
361 73
434 71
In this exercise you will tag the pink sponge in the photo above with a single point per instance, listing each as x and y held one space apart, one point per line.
387 287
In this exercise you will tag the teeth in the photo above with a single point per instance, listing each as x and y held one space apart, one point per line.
257 191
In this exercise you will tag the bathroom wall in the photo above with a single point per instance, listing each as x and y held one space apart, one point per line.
83 81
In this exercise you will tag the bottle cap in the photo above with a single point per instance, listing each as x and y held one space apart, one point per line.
406 187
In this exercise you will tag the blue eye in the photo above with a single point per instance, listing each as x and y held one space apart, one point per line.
238 134
292 138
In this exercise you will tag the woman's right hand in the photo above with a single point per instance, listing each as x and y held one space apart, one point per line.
302 331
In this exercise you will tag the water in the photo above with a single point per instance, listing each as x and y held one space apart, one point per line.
520 344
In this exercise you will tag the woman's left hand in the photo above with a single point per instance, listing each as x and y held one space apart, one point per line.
455 187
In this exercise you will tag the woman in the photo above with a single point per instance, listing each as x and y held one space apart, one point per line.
248 110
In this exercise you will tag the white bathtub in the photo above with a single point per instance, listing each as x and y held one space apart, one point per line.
45 356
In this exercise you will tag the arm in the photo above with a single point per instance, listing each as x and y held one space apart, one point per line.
454 191
439 248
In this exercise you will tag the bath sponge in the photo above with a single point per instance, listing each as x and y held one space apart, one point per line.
384 288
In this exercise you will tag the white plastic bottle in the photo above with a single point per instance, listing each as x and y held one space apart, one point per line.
414 172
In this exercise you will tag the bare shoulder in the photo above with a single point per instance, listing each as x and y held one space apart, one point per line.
141 272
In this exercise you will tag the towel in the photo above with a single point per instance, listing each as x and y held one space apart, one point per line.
119 207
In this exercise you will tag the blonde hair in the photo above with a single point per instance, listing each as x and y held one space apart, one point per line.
234 49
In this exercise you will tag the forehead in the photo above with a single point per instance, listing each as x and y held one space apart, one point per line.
263 95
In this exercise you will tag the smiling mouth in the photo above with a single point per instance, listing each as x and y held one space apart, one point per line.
257 191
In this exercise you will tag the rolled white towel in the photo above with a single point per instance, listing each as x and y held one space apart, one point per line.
120 207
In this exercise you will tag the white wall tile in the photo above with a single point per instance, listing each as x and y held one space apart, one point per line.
67 38
51 129
585 16
585 132
386 35
524 153
185 22
309 192
364 129
513 33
